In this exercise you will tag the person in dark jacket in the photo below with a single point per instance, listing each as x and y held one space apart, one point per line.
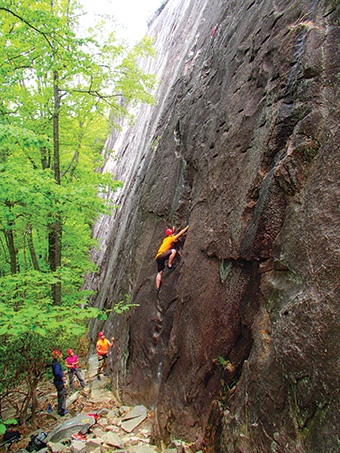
59 382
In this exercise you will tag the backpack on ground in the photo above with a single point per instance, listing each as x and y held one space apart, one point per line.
37 442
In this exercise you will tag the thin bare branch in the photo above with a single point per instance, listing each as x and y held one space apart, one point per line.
27 23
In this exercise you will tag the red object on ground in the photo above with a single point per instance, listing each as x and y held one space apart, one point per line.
79 436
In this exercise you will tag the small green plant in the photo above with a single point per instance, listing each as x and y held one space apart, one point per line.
5 424
226 364
228 387
225 269
123 305
155 143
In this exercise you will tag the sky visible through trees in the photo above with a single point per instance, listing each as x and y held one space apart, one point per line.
131 15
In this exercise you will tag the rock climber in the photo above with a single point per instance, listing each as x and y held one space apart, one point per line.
72 364
59 382
102 348
167 251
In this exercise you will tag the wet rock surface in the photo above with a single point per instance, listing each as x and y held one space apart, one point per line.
242 145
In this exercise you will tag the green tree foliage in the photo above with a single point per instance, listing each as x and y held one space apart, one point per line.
60 96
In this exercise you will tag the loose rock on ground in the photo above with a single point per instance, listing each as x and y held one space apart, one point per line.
96 422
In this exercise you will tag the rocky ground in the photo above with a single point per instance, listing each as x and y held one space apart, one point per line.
97 418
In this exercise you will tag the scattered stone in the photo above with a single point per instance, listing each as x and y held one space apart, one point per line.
130 425
123 410
96 450
126 439
106 447
102 422
98 433
112 414
57 447
137 411
180 447
101 396
142 449
133 440
95 384
72 399
93 445
113 440
134 418
103 434
111 428
78 446
117 421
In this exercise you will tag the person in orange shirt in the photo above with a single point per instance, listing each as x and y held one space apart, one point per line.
102 348
167 251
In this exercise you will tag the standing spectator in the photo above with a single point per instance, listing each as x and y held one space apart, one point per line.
72 364
102 348
59 382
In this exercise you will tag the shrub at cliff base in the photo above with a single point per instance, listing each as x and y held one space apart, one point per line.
29 332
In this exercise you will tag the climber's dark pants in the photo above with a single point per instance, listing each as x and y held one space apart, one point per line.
102 362
62 392
71 373
161 260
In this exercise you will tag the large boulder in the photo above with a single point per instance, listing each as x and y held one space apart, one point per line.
82 423
242 145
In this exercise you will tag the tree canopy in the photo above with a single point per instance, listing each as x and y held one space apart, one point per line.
60 97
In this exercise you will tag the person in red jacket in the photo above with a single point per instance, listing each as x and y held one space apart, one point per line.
102 348
167 251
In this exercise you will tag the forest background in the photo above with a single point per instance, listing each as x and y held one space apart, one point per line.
62 93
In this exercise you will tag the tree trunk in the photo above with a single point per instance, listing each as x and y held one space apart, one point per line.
9 236
45 158
54 245
56 150
32 250
33 392
12 251
55 234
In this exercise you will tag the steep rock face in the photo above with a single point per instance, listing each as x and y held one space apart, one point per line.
240 348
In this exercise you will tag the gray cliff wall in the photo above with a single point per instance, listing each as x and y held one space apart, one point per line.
240 350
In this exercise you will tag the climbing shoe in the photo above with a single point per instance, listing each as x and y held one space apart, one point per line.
171 268
98 378
158 290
